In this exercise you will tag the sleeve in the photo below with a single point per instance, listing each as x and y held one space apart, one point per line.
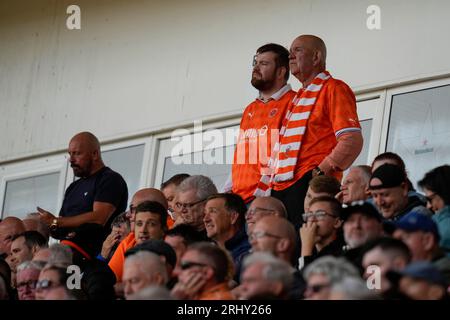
342 109
111 189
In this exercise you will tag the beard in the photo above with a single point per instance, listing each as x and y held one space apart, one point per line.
262 84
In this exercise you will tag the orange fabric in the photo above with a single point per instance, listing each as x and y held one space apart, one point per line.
170 222
118 258
218 292
335 110
257 121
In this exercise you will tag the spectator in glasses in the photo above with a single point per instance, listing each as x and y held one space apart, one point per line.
120 229
191 199
320 231
261 207
321 186
436 185
169 188
27 277
52 284
325 272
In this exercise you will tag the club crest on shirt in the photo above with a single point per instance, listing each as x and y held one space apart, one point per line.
273 112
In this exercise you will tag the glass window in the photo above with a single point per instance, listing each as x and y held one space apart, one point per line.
22 196
218 167
419 129
366 128
128 162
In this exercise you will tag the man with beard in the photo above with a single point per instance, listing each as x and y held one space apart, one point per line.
97 197
261 120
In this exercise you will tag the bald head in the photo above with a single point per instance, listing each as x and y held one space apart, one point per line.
307 58
271 203
87 139
149 194
9 227
281 238
85 157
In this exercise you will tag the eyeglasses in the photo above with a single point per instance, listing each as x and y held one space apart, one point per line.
261 234
31 284
253 211
46 284
316 288
184 265
182 206
318 215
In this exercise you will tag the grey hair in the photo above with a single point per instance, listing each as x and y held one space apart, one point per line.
149 263
366 172
37 265
353 288
152 293
335 269
60 254
274 268
203 186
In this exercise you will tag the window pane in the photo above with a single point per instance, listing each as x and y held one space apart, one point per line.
419 129
366 128
128 162
214 163
22 196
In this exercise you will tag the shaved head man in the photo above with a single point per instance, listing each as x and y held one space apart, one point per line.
274 235
330 140
98 196
261 207
9 227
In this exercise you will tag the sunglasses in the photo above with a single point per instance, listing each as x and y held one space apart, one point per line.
184 265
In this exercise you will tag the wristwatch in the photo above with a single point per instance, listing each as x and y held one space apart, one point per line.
318 172
54 224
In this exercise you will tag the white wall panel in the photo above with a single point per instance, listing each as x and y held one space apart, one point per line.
137 66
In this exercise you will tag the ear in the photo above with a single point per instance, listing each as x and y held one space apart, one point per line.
281 72
277 288
398 263
282 245
428 241
209 273
317 57
234 217
34 249
337 223
404 189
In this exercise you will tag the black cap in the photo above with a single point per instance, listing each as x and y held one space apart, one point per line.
390 176
160 247
362 207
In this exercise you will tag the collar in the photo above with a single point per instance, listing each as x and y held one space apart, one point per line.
277 95
238 238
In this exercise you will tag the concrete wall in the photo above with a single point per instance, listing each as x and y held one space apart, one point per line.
137 66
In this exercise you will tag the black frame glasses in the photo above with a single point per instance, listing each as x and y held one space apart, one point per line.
182 206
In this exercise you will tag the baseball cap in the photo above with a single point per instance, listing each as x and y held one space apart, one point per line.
390 176
422 270
415 221
362 207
